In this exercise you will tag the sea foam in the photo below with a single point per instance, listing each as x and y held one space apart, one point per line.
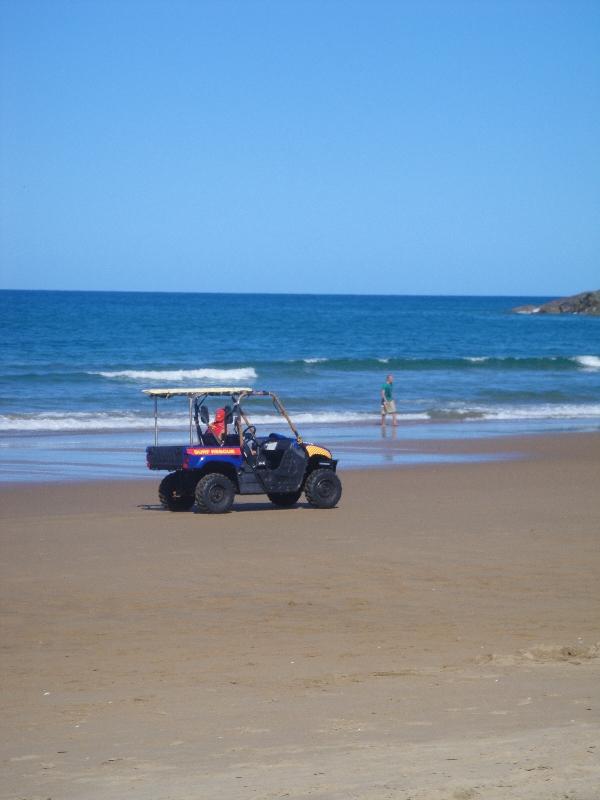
537 412
204 373
54 422
85 421
588 362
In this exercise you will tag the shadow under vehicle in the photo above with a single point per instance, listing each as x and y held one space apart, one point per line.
209 471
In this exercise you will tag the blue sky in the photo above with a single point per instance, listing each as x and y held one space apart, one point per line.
332 146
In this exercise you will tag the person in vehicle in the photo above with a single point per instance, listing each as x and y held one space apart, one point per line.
218 428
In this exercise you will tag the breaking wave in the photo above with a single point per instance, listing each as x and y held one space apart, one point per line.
78 421
516 363
547 411
204 373
311 365
331 417
86 421
588 362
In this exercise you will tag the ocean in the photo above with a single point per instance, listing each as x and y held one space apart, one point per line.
73 366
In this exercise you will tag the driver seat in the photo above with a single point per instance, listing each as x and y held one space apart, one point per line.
249 454
254 453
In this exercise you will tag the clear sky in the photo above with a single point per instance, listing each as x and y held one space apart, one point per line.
332 146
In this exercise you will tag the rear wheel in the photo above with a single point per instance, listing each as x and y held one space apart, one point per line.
323 488
173 495
284 499
214 494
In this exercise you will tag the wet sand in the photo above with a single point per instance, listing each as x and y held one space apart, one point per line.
435 637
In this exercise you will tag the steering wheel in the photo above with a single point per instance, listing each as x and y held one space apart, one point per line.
249 432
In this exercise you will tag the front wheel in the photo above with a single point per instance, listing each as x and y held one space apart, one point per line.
284 499
214 494
323 488
172 493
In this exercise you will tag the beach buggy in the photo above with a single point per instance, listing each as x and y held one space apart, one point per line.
227 457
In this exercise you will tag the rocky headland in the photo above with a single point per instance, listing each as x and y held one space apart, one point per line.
584 303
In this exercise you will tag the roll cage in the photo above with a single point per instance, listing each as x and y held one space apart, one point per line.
236 414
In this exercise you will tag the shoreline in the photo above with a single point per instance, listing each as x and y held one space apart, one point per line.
477 452
364 420
97 457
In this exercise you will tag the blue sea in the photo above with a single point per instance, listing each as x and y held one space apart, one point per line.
73 366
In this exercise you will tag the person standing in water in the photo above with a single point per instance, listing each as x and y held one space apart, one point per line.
387 401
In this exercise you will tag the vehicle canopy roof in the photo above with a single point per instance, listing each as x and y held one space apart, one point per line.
215 391
236 393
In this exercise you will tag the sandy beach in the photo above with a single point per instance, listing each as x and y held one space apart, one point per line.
435 637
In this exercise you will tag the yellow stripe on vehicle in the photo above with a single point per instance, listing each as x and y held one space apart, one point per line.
314 450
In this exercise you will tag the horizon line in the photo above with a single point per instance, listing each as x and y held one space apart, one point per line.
293 294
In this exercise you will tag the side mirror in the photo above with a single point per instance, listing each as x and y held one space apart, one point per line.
204 416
